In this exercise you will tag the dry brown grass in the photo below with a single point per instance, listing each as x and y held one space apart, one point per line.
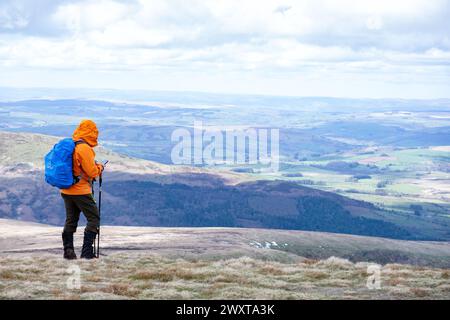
93 279
393 282
310 261
141 276
316 275
11 275
122 289
271 270
162 276
419 292
7 275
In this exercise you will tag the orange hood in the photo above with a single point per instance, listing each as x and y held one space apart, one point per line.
87 130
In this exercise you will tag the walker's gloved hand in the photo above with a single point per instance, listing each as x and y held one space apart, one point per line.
100 167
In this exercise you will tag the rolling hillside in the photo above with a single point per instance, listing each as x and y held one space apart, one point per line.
145 193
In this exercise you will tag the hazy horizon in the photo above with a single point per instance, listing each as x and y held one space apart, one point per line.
52 93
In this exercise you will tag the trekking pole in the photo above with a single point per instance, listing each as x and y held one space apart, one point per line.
100 180
99 211
93 196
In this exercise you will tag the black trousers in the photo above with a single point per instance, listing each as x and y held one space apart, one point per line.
75 204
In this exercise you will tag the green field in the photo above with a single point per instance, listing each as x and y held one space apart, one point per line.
412 181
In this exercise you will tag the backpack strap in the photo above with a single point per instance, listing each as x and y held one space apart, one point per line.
77 179
81 141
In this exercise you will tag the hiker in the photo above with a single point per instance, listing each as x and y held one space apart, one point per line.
79 197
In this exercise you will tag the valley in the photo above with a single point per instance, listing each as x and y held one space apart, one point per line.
377 163
393 153
144 193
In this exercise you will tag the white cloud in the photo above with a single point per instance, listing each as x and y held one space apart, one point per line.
374 23
87 15
127 33
274 39
12 16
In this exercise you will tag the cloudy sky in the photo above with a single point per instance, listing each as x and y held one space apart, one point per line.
360 48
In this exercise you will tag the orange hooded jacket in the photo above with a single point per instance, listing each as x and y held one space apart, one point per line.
84 159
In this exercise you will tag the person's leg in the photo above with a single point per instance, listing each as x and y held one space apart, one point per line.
72 213
89 208
72 217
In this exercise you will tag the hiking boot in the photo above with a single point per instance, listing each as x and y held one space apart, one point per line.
69 252
87 252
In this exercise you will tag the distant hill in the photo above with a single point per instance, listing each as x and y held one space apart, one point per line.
145 193
321 126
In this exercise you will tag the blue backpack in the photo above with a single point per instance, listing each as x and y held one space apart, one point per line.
59 164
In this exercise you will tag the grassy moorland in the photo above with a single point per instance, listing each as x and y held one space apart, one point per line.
228 263
146 276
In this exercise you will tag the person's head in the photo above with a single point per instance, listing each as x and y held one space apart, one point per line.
87 130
